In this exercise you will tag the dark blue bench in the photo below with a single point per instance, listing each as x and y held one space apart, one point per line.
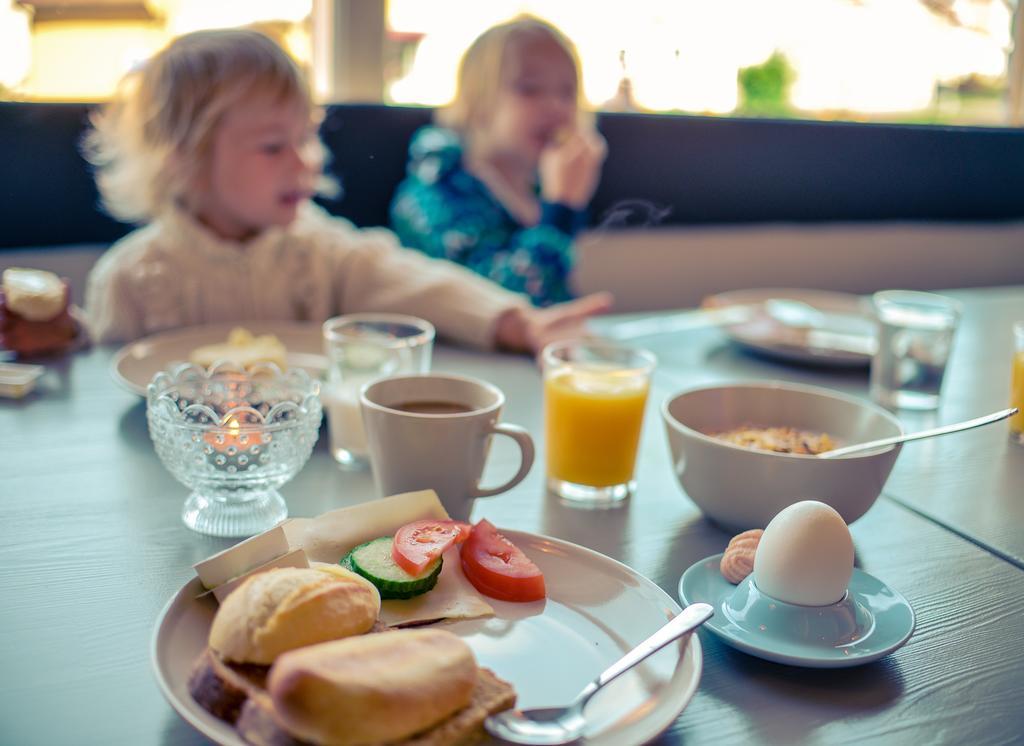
684 170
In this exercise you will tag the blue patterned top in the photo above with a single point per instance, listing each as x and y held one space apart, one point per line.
443 210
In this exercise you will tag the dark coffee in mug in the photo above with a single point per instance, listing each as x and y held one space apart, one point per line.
432 407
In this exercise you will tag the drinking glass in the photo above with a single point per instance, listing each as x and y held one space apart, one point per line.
360 348
915 336
1017 384
594 398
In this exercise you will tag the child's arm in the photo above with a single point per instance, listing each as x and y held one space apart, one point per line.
375 274
536 261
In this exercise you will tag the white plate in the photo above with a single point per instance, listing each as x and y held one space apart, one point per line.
845 337
596 610
135 364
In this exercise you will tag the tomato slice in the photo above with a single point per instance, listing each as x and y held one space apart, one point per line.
419 543
498 568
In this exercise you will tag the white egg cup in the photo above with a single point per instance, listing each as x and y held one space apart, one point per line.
869 622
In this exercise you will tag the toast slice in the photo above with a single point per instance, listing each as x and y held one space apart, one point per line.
221 688
258 725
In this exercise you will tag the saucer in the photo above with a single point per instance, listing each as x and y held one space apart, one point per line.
870 622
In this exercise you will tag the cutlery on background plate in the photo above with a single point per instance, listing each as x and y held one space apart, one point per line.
825 329
559 725
699 318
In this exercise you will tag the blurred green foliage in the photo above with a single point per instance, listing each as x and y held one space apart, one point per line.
764 88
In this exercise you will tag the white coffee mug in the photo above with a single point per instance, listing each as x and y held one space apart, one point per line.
433 431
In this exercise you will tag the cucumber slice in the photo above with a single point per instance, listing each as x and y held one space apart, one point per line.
373 561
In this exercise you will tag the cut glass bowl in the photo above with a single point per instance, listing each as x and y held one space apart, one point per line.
233 436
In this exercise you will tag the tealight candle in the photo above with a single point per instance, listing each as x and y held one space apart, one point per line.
233 437
235 447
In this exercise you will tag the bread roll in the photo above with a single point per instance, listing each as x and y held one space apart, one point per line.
372 689
242 348
33 294
287 608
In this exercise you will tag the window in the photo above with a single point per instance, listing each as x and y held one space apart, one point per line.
920 61
925 61
77 50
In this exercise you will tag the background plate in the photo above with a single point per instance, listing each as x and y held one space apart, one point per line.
134 365
596 610
822 346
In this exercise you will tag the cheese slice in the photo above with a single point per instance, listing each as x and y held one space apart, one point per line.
242 557
330 536
294 558
452 598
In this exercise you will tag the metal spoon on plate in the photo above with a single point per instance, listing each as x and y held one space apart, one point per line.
945 429
549 726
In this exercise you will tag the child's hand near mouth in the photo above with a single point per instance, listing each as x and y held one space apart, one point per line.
570 167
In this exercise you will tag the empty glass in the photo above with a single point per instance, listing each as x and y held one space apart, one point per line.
915 337
360 348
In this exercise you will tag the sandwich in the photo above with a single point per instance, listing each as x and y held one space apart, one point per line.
291 660
409 686
270 613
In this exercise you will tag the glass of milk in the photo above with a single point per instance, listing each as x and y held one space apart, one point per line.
360 348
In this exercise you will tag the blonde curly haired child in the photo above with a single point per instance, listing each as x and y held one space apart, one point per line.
212 148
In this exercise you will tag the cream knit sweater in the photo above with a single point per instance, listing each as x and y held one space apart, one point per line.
174 272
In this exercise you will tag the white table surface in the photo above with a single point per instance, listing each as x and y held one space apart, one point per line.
92 548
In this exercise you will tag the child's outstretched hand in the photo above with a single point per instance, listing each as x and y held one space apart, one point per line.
527 329
570 169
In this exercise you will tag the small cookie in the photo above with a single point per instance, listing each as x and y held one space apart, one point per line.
738 560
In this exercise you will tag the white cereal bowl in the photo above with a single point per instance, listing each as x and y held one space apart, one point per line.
741 488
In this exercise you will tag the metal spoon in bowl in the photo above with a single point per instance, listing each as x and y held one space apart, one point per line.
954 428
549 726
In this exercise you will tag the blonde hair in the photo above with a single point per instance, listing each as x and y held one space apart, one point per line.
482 68
151 141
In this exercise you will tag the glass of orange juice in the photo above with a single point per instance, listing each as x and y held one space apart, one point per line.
594 398
1017 383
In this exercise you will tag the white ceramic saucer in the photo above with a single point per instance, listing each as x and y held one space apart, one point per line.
869 623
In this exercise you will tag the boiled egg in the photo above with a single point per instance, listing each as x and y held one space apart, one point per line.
805 556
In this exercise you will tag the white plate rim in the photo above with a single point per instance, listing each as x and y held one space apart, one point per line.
679 692
808 661
825 300
202 334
